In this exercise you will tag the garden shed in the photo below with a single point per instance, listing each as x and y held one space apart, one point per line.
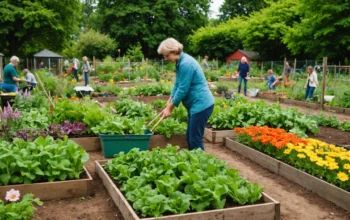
238 54
1 65
50 60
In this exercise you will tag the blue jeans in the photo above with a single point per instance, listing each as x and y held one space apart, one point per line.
86 77
271 87
195 128
75 74
309 92
8 87
240 83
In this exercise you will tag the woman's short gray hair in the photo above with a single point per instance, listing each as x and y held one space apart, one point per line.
14 59
170 45
243 59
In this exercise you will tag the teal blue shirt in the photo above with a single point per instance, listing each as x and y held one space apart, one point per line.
9 73
191 87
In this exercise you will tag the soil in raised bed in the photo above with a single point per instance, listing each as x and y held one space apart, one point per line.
332 136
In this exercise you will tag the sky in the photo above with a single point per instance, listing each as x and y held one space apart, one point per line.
214 7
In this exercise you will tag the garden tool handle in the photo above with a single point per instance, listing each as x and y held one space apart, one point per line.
161 119
156 118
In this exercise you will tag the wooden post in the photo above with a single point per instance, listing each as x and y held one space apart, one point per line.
295 66
47 94
94 64
335 71
129 68
217 63
146 68
262 68
324 75
284 77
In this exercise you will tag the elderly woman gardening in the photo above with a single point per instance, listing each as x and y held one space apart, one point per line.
191 89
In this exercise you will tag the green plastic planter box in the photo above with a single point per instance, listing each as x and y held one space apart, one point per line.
114 144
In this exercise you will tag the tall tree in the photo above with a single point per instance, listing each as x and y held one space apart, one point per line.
88 8
148 22
233 8
217 41
264 30
29 25
323 31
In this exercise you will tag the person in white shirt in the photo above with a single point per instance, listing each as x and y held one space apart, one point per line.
75 69
30 79
311 83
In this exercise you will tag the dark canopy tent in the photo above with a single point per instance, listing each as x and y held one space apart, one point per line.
50 59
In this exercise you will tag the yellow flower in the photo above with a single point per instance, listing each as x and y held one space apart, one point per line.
287 151
74 80
301 156
111 81
333 166
313 159
320 163
238 103
347 166
343 176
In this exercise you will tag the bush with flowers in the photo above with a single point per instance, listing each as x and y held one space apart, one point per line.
325 161
14 209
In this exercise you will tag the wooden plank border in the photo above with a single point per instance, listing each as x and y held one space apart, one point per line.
270 210
162 141
300 103
88 143
54 190
322 188
218 136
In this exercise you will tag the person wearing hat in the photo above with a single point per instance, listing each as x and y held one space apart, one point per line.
11 78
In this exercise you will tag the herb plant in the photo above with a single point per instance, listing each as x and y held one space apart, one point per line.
23 209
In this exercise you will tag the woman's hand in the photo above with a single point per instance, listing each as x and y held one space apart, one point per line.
168 110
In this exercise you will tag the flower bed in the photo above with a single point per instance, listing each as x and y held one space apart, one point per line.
320 159
165 182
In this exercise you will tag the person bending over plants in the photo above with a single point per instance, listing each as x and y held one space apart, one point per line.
191 89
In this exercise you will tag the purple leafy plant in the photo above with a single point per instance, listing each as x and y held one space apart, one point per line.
55 130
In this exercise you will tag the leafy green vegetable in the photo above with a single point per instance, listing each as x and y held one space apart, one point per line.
170 126
19 210
165 180
45 159
261 113
120 125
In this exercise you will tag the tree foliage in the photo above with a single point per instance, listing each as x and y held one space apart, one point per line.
134 53
217 41
323 30
264 30
28 26
233 8
92 43
148 22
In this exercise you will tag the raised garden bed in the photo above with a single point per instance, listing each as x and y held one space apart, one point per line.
269 210
88 143
149 99
300 103
217 136
270 96
325 190
54 190
162 141
107 99
336 109
227 78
